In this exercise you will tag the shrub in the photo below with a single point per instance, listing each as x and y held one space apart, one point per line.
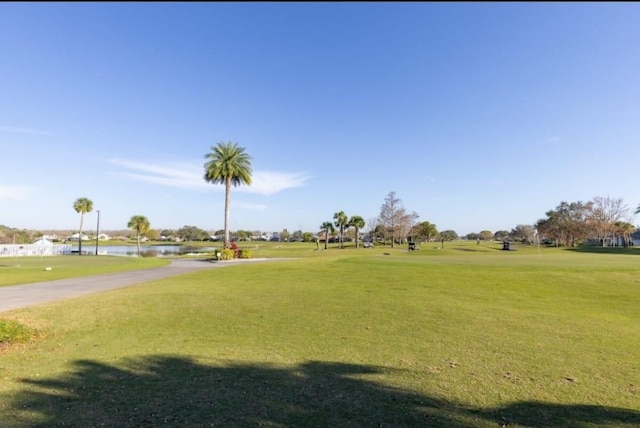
244 253
227 254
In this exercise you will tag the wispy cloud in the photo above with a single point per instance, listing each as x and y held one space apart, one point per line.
269 183
15 193
23 130
183 175
190 176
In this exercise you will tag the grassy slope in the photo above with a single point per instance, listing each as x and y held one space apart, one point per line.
464 336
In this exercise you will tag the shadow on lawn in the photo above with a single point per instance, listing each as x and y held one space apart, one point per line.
474 250
172 391
635 251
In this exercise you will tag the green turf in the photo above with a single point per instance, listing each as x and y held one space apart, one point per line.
23 270
466 336
13 332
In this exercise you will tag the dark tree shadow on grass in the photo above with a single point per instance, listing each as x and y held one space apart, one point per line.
171 391
593 249
483 249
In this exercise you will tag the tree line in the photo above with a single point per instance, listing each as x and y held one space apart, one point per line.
604 220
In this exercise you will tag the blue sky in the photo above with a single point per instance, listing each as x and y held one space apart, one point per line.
478 115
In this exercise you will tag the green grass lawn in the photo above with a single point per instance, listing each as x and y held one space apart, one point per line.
466 336
22 270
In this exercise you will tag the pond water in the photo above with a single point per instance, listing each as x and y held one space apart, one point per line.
145 250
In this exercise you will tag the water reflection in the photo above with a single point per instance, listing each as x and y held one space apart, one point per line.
150 250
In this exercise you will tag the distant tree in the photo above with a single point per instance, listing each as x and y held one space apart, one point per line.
381 233
501 235
168 234
307 236
409 222
152 234
140 226
524 233
567 225
623 230
485 235
472 236
10 235
605 212
427 230
192 233
391 216
357 223
341 221
449 235
82 206
227 164
24 237
285 235
371 228
325 229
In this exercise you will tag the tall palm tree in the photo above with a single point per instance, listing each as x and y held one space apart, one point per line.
82 206
140 225
625 229
341 222
326 228
356 222
227 164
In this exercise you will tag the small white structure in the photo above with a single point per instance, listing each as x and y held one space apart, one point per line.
75 236
42 241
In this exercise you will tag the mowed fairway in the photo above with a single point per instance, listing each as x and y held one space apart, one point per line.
468 336
23 270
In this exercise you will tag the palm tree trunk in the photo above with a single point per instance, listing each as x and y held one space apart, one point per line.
80 235
227 202
138 239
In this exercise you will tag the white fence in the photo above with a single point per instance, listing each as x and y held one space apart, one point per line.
18 250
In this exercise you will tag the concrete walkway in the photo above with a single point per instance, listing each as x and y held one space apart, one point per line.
20 296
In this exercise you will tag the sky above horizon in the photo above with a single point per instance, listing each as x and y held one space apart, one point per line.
479 116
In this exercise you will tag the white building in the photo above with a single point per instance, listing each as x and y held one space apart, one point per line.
74 237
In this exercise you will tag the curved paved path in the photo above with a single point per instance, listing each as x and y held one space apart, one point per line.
20 296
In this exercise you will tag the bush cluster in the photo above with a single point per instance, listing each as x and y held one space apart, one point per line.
234 253
227 254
